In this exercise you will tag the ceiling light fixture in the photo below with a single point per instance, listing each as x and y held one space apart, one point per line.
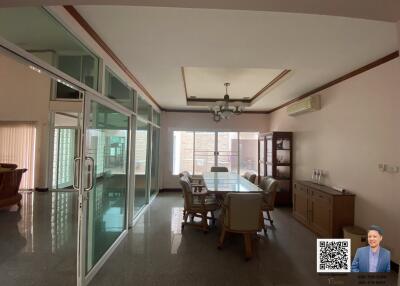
222 109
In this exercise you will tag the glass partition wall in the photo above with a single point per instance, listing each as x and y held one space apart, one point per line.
117 158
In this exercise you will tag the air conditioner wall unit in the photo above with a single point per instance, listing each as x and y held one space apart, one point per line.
308 104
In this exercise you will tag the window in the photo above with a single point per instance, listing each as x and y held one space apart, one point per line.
117 90
144 109
183 152
198 151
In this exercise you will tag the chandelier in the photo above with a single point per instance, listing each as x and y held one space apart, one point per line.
222 109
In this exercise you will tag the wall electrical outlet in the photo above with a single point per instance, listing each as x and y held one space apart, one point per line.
388 169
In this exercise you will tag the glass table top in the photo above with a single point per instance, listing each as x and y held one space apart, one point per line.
228 182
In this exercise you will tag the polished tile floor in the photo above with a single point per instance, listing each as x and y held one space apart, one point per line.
38 243
155 252
38 247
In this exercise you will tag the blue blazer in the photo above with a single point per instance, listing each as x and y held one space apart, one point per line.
361 260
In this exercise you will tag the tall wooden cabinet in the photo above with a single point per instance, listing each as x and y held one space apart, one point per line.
322 209
275 160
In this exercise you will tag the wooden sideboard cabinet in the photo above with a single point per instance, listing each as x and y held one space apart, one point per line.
322 209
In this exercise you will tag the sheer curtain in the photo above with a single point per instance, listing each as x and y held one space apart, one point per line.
17 145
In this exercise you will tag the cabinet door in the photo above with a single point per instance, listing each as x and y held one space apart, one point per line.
300 202
320 213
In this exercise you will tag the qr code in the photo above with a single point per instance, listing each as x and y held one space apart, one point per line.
333 255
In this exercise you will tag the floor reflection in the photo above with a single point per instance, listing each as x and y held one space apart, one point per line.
38 242
176 230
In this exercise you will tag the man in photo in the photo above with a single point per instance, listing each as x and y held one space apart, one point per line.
372 258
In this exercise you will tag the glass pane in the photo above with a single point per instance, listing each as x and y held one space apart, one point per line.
36 31
107 144
144 109
141 157
228 150
204 157
65 92
156 117
119 91
183 152
261 158
154 161
269 150
65 158
269 170
65 148
248 152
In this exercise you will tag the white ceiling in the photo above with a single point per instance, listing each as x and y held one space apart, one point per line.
154 43
383 10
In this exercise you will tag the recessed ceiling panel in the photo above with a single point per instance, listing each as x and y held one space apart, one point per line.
208 83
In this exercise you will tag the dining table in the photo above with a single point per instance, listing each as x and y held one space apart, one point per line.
221 183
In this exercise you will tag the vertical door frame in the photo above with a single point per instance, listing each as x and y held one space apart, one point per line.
84 278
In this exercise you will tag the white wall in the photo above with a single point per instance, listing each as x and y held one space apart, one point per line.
356 129
171 121
24 96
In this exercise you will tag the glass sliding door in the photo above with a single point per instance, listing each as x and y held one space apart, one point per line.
64 155
141 164
228 150
65 138
104 184
204 152
154 160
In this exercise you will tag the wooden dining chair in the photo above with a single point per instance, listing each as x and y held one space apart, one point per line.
197 204
251 177
270 187
219 169
196 183
241 213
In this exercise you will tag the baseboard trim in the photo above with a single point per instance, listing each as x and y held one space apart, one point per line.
164 190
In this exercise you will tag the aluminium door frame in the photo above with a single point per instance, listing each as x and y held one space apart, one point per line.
84 278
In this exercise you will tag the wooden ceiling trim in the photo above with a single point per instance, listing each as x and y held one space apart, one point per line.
270 84
349 75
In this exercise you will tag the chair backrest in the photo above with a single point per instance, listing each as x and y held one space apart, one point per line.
219 169
243 211
184 173
187 174
187 191
9 182
270 187
250 177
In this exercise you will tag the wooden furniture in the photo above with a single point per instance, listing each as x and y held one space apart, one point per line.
222 183
9 166
197 205
9 186
322 209
251 177
270 187
275 161
241 213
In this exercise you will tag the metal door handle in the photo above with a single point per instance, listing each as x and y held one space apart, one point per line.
90 174
74 184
